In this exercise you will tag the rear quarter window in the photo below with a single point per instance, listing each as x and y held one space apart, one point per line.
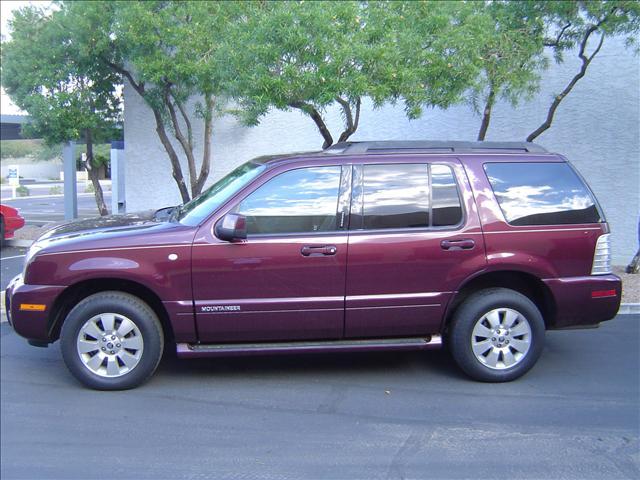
542 194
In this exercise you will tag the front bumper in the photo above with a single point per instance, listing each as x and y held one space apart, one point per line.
31 324
579 301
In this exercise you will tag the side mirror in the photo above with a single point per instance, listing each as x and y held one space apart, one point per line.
232 228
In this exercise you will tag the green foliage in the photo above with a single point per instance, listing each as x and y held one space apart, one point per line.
22 191
311 55
56 190
65 92
89 188
29 148
19 148
509 53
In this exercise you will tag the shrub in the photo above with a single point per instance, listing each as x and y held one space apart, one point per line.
57 190
22 191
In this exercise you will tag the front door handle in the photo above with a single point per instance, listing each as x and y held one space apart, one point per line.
466 244
313 250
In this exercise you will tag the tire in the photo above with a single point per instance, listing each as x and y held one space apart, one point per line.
2 240
112 341
496 335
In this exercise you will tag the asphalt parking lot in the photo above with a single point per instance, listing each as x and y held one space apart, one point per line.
368 416
11 261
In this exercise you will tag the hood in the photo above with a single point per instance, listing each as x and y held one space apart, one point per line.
107 225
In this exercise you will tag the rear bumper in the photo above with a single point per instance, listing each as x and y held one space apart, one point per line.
585 301
31 324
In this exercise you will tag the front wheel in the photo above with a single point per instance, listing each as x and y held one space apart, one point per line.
112 341
496 335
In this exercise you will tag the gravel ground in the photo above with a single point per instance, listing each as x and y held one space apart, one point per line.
630 285
29 232
630 282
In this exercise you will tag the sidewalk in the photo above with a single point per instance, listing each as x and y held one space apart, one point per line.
45 188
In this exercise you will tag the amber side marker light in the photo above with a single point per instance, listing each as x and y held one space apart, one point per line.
32 307
603 293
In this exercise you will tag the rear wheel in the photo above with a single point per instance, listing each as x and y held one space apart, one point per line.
496 335
112 341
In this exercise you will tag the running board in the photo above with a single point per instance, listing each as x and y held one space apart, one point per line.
188 350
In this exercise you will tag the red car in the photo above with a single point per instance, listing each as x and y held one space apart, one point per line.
10 221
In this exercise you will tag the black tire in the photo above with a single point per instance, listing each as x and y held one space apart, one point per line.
2 240
128 306
471 311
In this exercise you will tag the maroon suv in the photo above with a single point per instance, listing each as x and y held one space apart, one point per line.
365 246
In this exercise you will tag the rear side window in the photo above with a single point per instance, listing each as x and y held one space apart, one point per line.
409 196
542 194
396 196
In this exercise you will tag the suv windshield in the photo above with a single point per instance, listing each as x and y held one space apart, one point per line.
199 208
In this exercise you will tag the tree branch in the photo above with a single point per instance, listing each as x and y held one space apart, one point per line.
184 143
176 169
206 152
486 114
556 42
173 156
187 122
351 124
317 118
586 60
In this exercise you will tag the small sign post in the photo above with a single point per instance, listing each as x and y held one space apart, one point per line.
13 175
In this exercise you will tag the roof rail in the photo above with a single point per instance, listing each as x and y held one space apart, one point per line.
428 146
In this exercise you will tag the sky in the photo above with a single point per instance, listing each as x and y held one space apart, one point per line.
6 7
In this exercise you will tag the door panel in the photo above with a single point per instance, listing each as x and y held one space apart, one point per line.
266 289
400 280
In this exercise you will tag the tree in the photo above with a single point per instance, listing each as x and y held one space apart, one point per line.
427 54
67 95
582 25
509 56
316 55
301 56
169 53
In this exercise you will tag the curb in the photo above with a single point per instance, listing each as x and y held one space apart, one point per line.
629 309
36 197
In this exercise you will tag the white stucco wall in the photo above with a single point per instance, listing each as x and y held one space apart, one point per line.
597 127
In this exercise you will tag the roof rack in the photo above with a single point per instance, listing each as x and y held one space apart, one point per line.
428 146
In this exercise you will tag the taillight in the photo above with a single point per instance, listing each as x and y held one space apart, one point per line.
602 256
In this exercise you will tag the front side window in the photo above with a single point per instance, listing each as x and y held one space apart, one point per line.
199 208
304 200
409 196
542 194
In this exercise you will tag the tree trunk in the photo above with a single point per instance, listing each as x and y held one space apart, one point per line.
351 125
160 130
173 156
206 152
94 175
486 114
317 119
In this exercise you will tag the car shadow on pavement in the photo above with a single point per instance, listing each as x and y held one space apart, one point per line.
436 363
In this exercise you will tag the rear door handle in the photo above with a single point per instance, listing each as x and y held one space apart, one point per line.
316 250
466 244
